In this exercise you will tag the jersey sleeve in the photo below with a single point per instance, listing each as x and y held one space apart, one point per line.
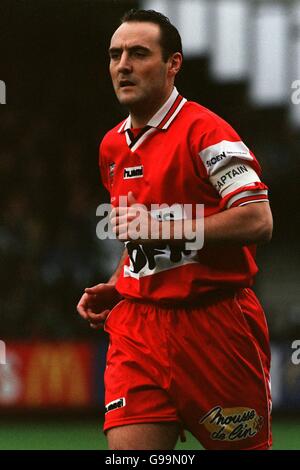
104 170
228 164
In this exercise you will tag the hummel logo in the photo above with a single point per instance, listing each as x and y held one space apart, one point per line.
133 172
113 405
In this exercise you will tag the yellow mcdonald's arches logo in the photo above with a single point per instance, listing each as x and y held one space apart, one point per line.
57 375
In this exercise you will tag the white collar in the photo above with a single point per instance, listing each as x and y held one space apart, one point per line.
164 116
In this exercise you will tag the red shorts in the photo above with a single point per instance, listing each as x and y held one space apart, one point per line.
206 367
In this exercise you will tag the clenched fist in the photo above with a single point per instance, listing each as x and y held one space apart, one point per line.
96 303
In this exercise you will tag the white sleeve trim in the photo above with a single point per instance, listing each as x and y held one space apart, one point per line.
243 194
253 200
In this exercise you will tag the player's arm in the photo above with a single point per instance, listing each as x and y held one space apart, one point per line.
97 301
242 225
247 224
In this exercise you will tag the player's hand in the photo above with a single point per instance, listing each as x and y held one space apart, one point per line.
96 303
133 222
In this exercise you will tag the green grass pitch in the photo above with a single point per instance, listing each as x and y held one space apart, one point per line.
86 434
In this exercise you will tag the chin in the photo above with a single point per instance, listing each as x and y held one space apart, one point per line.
128 100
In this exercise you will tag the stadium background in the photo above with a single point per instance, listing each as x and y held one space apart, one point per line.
53 59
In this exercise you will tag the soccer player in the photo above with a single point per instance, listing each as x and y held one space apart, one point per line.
189 346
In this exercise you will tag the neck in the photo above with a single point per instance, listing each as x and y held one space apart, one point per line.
141 115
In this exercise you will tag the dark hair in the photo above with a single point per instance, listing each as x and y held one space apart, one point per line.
170 39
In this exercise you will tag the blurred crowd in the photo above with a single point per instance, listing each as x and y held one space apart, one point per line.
50 188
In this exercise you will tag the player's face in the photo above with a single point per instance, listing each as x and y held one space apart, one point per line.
140 76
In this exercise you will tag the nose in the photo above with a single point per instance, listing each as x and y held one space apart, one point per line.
124 65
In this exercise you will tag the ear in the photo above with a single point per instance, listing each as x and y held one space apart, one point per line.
175 62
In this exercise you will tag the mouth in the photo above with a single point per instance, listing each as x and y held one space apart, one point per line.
126 83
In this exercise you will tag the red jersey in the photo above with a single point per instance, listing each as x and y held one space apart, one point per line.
185 155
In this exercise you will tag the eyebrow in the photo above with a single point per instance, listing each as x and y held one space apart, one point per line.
131 49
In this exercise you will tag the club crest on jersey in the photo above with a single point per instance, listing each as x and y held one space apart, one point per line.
111 172
133 172
232 424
